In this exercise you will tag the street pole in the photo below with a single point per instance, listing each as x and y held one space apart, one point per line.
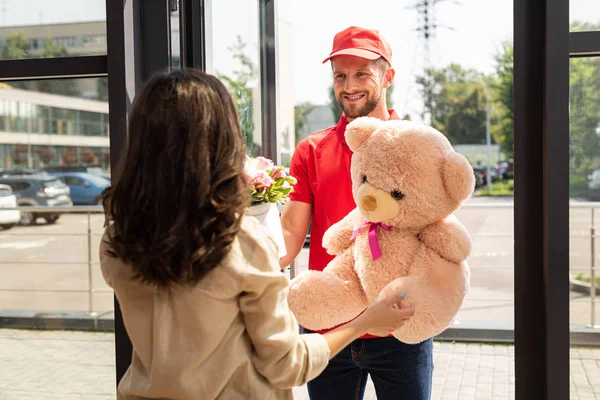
488 138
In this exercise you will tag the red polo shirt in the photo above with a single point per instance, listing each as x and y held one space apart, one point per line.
321 164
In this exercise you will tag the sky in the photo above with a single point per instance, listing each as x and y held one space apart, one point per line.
470 33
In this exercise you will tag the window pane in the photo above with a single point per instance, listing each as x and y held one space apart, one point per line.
234 58
448 64
49 267
175 43
584 15
584 104
41 29
44 257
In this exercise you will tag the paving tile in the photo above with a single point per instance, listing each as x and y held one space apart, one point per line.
80 365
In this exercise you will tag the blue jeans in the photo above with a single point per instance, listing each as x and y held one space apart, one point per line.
398 371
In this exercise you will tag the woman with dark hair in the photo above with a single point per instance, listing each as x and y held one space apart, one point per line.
199 285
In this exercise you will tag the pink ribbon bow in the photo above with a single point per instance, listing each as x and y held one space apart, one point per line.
373 242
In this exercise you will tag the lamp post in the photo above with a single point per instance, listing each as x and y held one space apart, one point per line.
488 139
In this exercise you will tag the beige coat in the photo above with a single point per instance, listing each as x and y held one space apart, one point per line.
230 337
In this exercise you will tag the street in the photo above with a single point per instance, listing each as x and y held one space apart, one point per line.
45 267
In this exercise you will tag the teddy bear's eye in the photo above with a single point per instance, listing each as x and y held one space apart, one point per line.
364 179
397 195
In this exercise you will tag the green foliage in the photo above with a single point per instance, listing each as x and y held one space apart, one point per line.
278 190
455 100
499 188
241 86
18 47
301 111
503 87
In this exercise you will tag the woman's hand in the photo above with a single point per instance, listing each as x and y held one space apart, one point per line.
385 316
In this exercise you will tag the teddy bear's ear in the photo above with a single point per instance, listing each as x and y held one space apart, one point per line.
360 130
459 179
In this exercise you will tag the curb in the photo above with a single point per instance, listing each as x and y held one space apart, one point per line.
582 287
68 320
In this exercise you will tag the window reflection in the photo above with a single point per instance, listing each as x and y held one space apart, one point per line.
235 60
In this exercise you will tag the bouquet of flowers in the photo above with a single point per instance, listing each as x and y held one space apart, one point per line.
268 182
269 185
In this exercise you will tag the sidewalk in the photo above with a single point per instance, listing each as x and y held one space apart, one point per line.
50 365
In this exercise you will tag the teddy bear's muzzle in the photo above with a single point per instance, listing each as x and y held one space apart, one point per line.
369 203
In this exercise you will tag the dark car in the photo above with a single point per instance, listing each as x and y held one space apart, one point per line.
38 190
480 176
85 188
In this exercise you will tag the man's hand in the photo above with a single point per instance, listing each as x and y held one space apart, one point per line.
294 222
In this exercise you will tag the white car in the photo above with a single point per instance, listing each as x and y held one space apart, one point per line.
8 218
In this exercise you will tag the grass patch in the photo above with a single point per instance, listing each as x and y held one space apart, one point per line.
581 277
499 188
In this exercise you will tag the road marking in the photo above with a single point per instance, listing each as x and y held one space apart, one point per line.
30 244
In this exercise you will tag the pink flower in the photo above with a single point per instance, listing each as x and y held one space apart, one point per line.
263 164
262 180
278 175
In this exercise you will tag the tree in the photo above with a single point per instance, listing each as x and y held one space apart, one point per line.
46 154
18 47
503 87
69 156
241 87
301 111
337 110
455 100
584 104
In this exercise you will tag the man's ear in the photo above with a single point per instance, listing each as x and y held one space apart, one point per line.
389 75
359 130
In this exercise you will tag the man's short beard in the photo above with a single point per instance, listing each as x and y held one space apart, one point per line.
365 110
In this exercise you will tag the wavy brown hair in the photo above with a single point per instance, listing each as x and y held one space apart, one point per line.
175 209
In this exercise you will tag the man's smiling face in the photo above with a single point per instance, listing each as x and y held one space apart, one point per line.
358 84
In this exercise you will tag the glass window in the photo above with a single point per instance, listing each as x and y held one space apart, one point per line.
175 44
584 215
449 65
64 107
51 31
36 274
234 58
584 186
584 15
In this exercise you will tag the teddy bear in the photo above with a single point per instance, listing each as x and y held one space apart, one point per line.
402 238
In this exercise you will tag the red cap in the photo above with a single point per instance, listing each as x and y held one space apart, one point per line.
360 42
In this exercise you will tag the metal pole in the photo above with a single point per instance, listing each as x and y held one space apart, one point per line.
593 274
90 281
488 139
293 269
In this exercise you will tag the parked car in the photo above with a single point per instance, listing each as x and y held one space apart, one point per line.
85 188
38 190
94 169
480 176
8 218
18 172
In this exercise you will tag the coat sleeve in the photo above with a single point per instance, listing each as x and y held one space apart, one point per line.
280 353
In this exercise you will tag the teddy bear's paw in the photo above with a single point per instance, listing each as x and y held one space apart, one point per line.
320 300
419 328
335 243
396 287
